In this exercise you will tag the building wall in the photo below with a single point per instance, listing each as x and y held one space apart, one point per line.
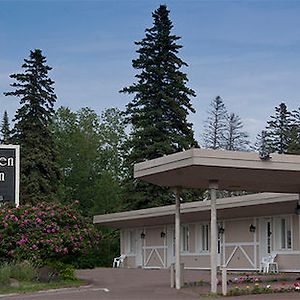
196 261
288 262
240 249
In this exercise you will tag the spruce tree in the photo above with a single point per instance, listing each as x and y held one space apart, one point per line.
278 129
5 131
294 134
160 107
262 145
32 130
215 125
235 138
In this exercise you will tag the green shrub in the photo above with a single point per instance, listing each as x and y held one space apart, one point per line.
22 271
65 271
110 247
4 273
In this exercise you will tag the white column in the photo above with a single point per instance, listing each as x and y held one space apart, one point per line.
213 185
299 218
224 281
177 239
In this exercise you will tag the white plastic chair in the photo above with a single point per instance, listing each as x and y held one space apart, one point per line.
119 261
268 264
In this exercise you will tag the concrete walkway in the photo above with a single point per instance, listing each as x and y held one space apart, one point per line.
135 284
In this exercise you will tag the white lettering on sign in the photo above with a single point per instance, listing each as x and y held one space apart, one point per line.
6 161
2 177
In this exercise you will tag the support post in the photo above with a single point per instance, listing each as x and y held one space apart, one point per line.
224 281
298 204
177 239
213 185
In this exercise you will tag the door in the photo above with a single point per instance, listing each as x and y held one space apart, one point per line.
155 248
266 241
170 245
139 248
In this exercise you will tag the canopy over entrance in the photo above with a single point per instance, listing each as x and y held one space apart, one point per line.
219 169
239 171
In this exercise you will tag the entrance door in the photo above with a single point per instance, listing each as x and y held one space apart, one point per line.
139 248
266 244
155 248
170 245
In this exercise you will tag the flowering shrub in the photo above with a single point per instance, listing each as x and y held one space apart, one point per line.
46 231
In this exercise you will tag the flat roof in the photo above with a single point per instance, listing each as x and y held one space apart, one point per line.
198 210
233 170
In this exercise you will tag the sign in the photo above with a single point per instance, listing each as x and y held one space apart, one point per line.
9 173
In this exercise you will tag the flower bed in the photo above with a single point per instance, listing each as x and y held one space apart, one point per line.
246 285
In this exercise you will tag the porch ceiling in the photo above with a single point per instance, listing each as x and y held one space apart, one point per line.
233 170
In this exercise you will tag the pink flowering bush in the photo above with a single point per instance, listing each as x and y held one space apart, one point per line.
45 232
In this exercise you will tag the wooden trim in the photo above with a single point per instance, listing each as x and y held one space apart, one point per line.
288 252
239 244
195 254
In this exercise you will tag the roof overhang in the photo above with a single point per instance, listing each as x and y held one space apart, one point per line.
233 170
228 208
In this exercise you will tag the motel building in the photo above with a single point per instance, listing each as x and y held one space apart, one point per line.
235 233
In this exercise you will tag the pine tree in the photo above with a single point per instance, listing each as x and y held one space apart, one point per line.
236 139
262 145
5 130
294 133
158 113
32 130
215 125
278 129
296 117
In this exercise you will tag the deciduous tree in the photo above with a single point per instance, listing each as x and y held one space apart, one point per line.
89 157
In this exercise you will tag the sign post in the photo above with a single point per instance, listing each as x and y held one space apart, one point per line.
9 174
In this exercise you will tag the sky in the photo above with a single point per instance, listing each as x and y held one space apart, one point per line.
247 52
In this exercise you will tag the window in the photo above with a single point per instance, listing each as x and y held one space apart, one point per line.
202 238
185 238
285 234
129 241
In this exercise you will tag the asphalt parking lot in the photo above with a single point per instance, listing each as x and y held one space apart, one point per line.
133 284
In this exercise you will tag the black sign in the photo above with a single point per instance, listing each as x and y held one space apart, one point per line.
9 177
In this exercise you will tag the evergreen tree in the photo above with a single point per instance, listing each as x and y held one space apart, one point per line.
215 125
262 145
294 134
5 131
296 117
32 130
236 139
278 129
158 113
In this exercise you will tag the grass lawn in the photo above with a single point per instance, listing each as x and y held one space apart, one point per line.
26 287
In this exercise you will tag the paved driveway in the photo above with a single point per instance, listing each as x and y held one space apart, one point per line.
134 284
